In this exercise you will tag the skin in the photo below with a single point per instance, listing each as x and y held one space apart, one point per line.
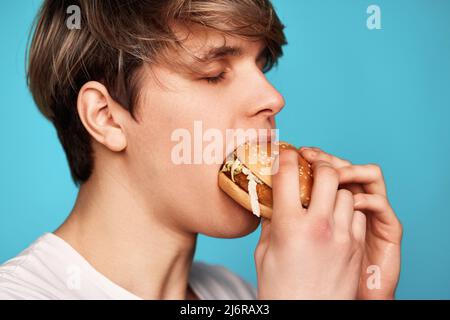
384 231
137 218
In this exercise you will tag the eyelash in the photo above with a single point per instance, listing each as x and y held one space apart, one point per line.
216 79
221 76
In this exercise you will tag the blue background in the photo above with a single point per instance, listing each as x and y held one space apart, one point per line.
379 96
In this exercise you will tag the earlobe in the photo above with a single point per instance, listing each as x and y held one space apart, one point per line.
115 140
100 116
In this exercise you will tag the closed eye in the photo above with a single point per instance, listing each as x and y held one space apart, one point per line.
216 79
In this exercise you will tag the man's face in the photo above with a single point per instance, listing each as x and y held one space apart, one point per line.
232 93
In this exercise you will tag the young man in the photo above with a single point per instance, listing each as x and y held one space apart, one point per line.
116 89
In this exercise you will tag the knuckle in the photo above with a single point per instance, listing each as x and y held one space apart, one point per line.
327 172
346 163
288 161
320 229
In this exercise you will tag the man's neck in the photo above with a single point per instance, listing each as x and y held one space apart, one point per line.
128 242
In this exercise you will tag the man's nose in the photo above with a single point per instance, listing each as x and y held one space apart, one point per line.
267 101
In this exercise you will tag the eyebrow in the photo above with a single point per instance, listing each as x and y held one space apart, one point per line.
221 52
225 51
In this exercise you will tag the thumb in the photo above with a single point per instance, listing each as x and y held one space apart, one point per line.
285 187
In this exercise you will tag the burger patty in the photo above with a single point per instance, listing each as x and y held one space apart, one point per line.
263 191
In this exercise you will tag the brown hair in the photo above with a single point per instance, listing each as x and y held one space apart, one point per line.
115 39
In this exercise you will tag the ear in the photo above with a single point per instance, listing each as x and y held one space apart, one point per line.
101 116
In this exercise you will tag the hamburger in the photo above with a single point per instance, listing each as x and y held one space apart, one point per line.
246 176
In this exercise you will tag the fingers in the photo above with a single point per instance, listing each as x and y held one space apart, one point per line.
324 190
315 154
377 205
359 226
353 187
352 176
285 187
343 212
346 220
370 175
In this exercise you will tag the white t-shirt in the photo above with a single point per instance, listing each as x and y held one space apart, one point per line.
51 269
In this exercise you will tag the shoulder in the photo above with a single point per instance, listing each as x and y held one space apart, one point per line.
21 276
218 282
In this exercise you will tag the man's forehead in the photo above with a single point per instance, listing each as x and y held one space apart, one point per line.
207 44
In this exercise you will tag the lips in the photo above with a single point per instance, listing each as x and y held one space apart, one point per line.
264 135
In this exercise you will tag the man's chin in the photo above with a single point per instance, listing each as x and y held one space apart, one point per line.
234 221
